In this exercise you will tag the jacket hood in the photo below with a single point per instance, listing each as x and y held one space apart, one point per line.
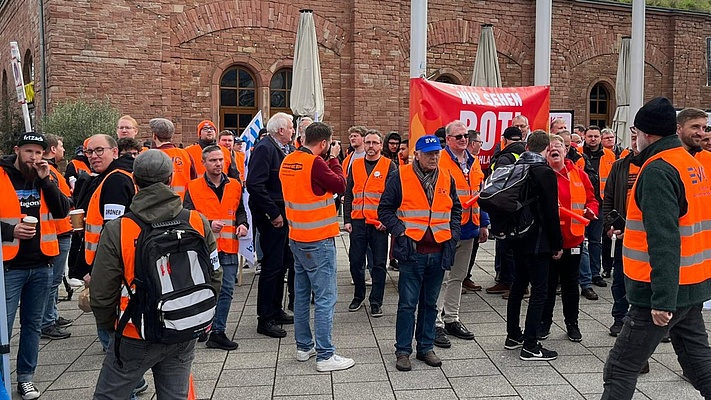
124 162
529 157
8 161
156 203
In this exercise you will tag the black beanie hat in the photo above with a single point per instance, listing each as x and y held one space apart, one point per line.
657 117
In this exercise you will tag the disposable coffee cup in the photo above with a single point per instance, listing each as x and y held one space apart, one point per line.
30 220
77 219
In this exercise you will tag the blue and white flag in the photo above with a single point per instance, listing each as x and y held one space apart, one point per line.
251 132
246 244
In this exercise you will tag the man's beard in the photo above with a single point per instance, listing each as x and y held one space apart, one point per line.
29 173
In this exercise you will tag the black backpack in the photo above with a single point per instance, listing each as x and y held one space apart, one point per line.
173 300
505 196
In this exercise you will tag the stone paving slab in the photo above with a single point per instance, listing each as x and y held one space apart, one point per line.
266 368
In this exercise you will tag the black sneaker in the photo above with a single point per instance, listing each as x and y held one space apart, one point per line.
513 344
355 305
62 322
27 390
544 330
616 328
598 281
376 311
218 340
538 353
441 339
55 333
202 338
574 333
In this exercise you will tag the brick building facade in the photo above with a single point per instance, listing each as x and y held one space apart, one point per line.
172 57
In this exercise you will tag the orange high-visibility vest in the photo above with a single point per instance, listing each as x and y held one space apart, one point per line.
704 158
95 220
195 152
80 166
694 228
129 233
181 169
367 189
311 217
11 213
225 210
577 203
415 210
61 225
345 163
467 185
608 157
239 161
624 153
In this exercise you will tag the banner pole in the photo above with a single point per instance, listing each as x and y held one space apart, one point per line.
20 85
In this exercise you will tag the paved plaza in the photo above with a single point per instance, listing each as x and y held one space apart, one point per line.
264 368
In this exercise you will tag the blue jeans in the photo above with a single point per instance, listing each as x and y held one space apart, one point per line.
50 311
619 293
31 288
638 340
230 266
585 275
419 285
594 234
315 271
170 364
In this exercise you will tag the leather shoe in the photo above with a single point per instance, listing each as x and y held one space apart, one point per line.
457 329
469 285
441 339
430 358
403 363
499 288
645 368
589 294
271 330
282 318
598 281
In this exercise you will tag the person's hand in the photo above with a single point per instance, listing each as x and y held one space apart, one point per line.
483 235
42 168
241 231
661 318
615 232
278 222
217 226
557 255
335 149
24 231
381 227
589 214
87 279
348 227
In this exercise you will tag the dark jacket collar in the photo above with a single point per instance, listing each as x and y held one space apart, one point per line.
665 143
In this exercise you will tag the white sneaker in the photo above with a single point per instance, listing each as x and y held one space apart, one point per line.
335 363
305 355
75 283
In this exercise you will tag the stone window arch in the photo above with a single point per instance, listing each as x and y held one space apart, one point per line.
600 105
238 98
280 92
448 78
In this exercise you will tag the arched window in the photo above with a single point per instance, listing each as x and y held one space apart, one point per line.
238 99
600 105
447 78
5 94
280 92
28 68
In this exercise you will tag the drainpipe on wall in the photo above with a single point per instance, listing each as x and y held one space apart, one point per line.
43 59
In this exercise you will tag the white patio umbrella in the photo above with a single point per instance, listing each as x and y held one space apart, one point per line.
307 87
486 63
621 122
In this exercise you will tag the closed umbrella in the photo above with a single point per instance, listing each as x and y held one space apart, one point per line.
307 87
621 121
486 64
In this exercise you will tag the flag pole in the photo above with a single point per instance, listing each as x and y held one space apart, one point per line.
20 84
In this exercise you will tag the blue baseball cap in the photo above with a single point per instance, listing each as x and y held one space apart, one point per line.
428 143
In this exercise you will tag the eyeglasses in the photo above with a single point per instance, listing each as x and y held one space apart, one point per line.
520 126
393 143
126 128
477 141
459 137
208 128
371 143
99 151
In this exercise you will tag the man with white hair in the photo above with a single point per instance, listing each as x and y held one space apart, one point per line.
266 202
303 123
521 122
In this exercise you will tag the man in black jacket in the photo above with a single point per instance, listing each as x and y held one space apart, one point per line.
533 252
266 202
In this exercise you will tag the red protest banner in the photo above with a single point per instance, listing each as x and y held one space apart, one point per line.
486 109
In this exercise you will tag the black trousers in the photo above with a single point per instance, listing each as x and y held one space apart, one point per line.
363 236
567 270
531 269
277 260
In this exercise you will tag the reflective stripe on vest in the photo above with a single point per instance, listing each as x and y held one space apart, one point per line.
415 211
467 185
129 233
367 189
694 226
95 220
225 210
577 202
11 213
311 218
182 162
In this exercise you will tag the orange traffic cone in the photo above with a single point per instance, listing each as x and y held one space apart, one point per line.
191 389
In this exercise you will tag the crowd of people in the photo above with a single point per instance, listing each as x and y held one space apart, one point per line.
593 211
